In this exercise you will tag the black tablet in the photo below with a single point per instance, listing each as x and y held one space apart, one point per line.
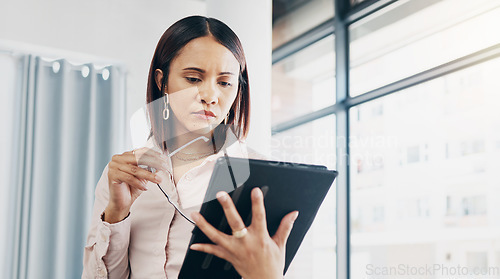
286 187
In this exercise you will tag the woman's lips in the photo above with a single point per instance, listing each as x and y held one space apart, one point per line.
204 114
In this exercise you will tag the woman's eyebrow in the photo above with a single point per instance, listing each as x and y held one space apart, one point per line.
226 73
203 71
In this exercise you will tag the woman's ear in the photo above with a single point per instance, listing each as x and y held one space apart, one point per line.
158 78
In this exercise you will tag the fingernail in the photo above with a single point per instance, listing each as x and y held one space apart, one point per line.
157 178
295 216
221 196
257 192
194 246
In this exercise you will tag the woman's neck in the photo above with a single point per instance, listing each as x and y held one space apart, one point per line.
191 143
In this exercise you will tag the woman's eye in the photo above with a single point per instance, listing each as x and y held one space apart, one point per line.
192 80
225 84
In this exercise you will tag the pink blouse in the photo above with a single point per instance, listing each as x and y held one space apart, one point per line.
152 241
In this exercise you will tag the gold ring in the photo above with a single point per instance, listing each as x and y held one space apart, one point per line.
241 233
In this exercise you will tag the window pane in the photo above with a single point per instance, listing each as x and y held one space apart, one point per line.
304 82
424 176
292 18
409 37
313 143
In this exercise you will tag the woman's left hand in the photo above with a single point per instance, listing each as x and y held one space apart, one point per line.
256 254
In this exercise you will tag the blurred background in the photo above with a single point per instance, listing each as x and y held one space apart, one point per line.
400 96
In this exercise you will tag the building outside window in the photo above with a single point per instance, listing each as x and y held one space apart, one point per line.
418 111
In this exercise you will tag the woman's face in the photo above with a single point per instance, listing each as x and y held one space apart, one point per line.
202 85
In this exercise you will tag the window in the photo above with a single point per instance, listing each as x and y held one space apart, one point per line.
469 147
412 36
304 82
413 93
455 186
292 18
475 205
413 154
356 2
312 143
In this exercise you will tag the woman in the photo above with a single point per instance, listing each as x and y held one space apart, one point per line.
198 105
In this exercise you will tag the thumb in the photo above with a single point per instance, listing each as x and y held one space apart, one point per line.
286 225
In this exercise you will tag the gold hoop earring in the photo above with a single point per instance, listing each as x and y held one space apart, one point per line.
166 110
225 119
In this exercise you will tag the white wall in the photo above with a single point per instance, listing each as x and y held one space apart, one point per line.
123 31
127 31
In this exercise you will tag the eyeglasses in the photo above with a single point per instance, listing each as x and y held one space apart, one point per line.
161 189
175 206
168 197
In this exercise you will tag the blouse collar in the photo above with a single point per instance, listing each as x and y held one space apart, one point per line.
232 146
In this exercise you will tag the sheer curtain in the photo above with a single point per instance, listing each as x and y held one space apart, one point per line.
60 125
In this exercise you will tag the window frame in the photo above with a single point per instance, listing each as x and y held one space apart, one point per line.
338 26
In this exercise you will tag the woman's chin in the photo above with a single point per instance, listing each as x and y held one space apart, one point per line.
202 128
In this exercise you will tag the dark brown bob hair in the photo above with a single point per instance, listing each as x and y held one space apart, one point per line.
171 42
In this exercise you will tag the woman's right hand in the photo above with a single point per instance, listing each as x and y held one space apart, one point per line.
127 180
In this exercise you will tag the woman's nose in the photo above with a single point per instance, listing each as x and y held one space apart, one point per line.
208 94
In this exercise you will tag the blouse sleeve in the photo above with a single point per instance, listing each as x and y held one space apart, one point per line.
106 250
